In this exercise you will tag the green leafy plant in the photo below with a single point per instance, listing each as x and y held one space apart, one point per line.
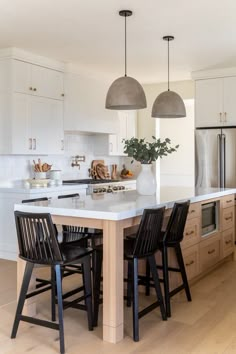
146 152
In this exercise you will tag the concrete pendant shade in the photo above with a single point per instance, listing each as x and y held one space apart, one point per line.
125 93
168 105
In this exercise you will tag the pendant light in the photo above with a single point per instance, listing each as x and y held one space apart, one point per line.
168 104
125 92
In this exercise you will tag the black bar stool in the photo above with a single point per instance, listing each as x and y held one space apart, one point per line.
143 246
38 244
171 238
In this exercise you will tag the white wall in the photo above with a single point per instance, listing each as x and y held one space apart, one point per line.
177 169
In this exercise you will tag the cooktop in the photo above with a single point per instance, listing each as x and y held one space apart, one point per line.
89 181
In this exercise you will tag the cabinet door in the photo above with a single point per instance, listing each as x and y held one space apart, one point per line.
113 145
21 136
229 113
209 102
47 82
21 77
47 125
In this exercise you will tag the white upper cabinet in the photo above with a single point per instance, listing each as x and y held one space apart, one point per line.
85 106
37 80
31 107
37 125
127 129
215 102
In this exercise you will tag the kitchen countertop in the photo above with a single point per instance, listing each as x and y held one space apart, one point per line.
21 187
122 205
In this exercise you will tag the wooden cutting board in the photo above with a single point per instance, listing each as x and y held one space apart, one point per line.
95 162
101 171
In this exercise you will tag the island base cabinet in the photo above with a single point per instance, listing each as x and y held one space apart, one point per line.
210 252
191 261
227 242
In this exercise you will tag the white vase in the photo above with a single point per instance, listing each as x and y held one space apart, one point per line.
146 182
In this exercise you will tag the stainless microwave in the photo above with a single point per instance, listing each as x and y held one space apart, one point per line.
209 218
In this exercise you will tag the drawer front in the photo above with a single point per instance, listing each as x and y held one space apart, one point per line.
194 210
191 233
209 253
228 201
227 218
227 242
191 261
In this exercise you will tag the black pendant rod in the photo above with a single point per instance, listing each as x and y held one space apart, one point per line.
168 38
125 48
125 14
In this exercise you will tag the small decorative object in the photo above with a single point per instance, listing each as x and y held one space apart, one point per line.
114 171
126 173
146 153
99 170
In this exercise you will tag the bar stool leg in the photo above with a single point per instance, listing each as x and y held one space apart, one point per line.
135 301
53 295
152 264
166 280
88 290
183 272
129 284
60 307
147 288
24 288
96 285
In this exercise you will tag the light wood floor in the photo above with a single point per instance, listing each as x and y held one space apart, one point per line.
207 325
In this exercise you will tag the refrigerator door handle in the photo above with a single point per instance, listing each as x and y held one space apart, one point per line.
219 159
223 163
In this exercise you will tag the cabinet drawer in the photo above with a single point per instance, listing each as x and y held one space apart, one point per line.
227 242
194 210
228 201
209 252
191 233
227 218
191 261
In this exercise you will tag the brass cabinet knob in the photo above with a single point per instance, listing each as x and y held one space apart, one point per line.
30 88
34 89
62 94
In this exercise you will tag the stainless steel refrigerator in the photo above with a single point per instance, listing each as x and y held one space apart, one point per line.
215 163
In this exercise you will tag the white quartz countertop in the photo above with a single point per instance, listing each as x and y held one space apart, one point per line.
21 188
121 205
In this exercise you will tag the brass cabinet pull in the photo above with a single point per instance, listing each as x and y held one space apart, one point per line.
189 264
192 211
34 89
62 94
189 233
30 88
62 144
227 242
211 251
220 116
111 147
228 201
228 218
225 114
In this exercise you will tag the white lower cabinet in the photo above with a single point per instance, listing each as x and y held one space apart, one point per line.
37 125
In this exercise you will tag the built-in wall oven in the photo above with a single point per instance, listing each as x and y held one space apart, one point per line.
210 212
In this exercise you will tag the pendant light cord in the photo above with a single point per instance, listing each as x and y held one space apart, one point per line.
168 65
125 49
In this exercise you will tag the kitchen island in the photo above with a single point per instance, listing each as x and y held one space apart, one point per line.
113 213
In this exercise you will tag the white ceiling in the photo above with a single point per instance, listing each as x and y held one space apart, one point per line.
91 34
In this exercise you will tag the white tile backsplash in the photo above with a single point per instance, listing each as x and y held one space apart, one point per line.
14 167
